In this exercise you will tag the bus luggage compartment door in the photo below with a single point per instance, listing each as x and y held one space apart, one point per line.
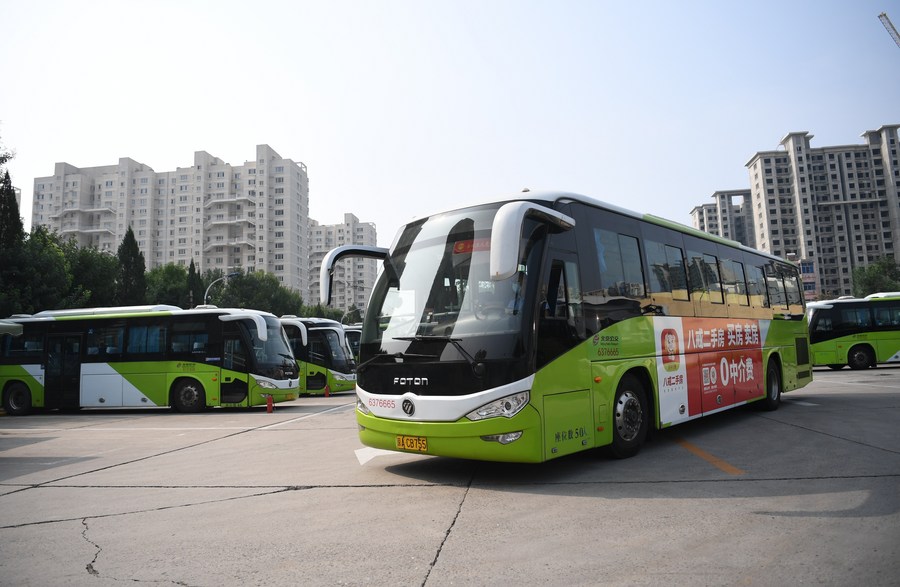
568 423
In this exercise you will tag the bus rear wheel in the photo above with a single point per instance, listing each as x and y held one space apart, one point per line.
17 399
188 396
630 418
773 387
860 357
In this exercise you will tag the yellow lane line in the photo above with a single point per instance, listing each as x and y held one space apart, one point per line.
711 459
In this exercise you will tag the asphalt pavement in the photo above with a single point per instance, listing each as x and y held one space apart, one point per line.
808 494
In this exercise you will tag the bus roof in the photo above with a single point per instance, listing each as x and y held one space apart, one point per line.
553 197
875 297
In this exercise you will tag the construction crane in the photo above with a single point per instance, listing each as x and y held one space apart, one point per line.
883 17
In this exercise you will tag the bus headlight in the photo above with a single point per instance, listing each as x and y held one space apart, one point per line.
507 407
265 384
361 406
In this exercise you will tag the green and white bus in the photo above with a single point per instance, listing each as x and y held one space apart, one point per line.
145 356
857 332
545 324
323 354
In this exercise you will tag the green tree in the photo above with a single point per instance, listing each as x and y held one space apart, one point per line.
353 315
94 275
260 291
168 285
12 232
320 311
195 287
883 274
131 285
44 277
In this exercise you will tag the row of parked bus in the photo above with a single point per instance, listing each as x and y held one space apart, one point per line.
521 329
151 356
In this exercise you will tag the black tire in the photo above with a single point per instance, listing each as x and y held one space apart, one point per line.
836 367
17 399
860 357
631 418
188 396
773 387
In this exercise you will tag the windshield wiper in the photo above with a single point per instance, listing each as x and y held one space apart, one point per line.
379 356
476 364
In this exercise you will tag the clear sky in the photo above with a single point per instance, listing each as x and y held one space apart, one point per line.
400 108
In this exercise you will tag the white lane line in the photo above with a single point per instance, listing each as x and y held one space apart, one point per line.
304 417
364 455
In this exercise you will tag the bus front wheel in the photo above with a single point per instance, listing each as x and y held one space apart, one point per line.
17 399
188 396
630 418
860 357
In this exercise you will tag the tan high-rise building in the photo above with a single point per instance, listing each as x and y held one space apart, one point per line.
832 209
251 217
354 277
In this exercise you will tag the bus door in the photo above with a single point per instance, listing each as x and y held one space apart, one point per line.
233 387
62 371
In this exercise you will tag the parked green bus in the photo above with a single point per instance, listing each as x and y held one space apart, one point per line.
532 327
145 356
857 332
323 354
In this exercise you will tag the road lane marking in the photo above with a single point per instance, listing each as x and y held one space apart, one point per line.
711 459
364 455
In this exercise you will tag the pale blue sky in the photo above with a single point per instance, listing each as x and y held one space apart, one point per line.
400 108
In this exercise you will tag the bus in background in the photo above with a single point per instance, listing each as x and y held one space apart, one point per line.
145 356
857 332
353 333
541 325
321 349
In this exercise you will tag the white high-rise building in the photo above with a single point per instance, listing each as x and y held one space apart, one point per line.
354 277
251 217
728 217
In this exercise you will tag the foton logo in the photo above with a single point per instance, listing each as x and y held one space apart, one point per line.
670 350
414 381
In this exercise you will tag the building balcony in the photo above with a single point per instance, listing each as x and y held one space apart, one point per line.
229 221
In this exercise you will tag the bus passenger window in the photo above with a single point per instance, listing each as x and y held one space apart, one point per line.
756 287
677 275
703 274
734 282
621 272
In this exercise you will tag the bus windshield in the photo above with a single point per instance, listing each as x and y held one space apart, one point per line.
275 349
437 282
435 301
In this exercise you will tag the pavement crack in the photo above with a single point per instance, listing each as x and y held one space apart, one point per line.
440 547
90 566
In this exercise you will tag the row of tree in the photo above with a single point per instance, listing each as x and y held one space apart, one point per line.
41 271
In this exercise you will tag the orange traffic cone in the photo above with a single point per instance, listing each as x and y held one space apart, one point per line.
270 405
327 391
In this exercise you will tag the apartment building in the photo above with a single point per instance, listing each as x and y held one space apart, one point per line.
730 216
830 209
353 277
251 217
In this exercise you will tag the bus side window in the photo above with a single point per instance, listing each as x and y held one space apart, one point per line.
621 272
823 324
756 287
677 275
734 282
775 287
703 274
